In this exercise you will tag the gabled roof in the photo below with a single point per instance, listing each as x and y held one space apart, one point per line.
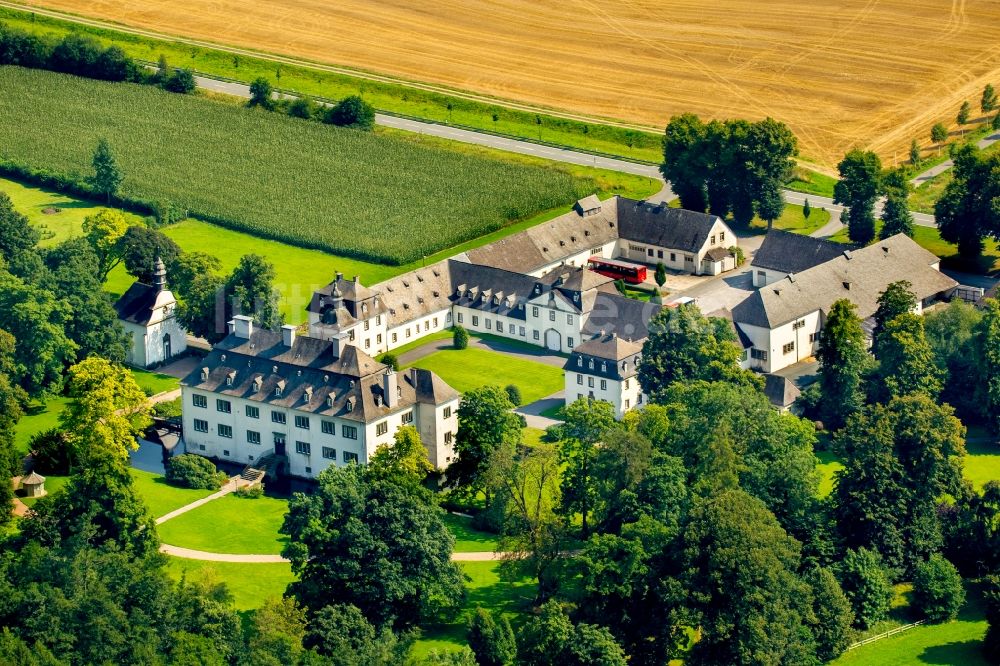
136 305
780 391
307 377
785 252
858 275
717 254
610 312
609 346
658 224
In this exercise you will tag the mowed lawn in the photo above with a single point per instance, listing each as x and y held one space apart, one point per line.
250 584
467 538
39 417
955 643
486 588
467 369
153 383
59 216
230 524
828 465
160 496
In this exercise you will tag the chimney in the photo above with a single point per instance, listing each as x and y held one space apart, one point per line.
338 277
338 344
355 279
390 388
288 335
847 286
242 326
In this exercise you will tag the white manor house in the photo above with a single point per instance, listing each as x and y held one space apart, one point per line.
310 401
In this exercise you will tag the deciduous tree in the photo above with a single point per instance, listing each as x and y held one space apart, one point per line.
867 586
142 246
684 160
261 94
905 361
486 424
969 209
351 112
832 612
963 113
492 639
858 189
586 421
376 544
896 216
251 291
988 102
937 589
104 231
939 133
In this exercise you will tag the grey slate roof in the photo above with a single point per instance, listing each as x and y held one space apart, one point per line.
786 252
780 391
610 312
660 225
310 378
858 275
136 304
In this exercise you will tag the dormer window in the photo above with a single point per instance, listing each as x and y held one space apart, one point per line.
230 378
309 394
590 364
604 367
579 361
350 405
279 388
330 399
257 381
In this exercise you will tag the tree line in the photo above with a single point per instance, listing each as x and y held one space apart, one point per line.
83 56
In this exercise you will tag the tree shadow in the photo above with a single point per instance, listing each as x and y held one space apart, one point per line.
949 654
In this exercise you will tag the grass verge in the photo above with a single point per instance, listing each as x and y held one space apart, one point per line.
160 496
154 383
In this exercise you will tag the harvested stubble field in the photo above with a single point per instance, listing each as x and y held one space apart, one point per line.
839 72
374 196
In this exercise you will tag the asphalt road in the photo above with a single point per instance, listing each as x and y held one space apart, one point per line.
538 150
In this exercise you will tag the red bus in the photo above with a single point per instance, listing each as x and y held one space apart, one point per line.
619 270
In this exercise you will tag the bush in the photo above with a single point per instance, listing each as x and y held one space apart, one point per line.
390 360
937 589
168 410
460 338
491 639
191 471
302 107
260 94
514 393
738 254
181 81
351 112
250 492
991 642
50 452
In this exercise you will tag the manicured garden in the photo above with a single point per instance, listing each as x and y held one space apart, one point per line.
467 538
38 417
471 368
161 497
275 176
230 524
250 584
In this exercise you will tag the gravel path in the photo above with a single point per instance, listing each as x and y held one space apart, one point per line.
205 556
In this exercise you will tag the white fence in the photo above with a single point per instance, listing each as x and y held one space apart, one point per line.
886 634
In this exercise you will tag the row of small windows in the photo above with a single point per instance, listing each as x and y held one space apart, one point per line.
590 382
252 412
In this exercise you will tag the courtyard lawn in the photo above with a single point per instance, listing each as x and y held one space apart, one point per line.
160 496
59 216
467 369
250 584
38 418
467 538
955 642
154 383
230 525
487 589
532 437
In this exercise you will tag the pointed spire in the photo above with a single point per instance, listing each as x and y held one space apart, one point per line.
159 275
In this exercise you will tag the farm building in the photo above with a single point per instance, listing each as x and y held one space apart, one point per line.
621 228
783 253
148 313
783 320
277 401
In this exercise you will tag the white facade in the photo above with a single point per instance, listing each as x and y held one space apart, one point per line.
148 314
720 236
622 394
